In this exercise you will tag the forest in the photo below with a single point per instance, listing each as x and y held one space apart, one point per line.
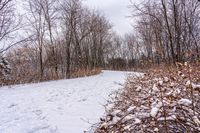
57 39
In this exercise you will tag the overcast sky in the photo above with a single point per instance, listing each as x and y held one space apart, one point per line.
116 11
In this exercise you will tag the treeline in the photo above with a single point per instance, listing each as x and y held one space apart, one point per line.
62 38
68 37
59 39
168 31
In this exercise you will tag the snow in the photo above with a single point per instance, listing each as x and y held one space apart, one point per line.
64 106
137 121
185 102
156 130
155 88
188 83
139 88
172 118
196 120
154 111
130 109
196 86
116 112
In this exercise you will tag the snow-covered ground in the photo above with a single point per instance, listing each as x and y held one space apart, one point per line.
63 106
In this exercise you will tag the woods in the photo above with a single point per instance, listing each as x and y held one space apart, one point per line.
168 30
62 37
9 25
65 37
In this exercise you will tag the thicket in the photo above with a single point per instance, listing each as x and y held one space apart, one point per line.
60 38
165 100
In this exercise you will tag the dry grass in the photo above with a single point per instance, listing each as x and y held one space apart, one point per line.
85 72
25 75
164 100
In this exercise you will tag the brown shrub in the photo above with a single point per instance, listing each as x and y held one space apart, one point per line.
164 100
85 72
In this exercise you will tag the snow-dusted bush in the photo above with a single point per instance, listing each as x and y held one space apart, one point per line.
5 69
164 101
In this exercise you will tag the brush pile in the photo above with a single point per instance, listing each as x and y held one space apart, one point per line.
162 101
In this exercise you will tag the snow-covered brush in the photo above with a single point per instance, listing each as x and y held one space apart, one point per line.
166 100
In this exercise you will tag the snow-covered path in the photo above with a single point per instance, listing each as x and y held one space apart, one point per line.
61 106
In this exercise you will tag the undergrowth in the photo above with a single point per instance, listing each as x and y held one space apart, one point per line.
163 100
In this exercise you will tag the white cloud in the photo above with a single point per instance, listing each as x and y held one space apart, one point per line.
116 11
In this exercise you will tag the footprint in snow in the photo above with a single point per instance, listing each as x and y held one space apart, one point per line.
38 113
82 100
59 108
12 105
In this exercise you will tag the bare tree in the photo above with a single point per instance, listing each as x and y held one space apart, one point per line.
49 11
9 25
168 29
38 23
